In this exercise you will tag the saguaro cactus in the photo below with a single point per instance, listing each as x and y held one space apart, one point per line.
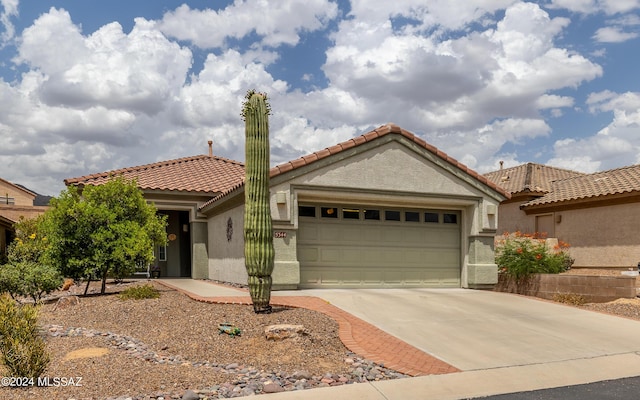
258 235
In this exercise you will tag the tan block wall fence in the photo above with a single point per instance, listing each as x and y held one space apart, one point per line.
594 289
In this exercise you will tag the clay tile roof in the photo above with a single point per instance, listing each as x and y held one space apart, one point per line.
199 174
605 183
529 177
367 137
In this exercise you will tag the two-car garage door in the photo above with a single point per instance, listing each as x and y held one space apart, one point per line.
364 246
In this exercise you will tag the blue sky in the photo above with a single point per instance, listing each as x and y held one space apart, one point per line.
94 86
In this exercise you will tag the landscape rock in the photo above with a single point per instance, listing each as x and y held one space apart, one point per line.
272 387
284 331
66 301
301 375
190 395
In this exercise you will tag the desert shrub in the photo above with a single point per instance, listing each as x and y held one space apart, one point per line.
569 298
22 348
31 279
140 292
521 255
30 243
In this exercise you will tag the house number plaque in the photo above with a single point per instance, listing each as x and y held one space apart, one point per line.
279 235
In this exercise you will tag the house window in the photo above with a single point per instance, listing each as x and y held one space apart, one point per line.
329 212
412 216
7 200
392 215
307 211
431 217
350 213
162 253
450 218
372 215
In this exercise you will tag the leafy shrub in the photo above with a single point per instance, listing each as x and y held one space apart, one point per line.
140 292
27 278
22 348
29 244
521 255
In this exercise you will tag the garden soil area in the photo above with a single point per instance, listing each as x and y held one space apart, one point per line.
159 348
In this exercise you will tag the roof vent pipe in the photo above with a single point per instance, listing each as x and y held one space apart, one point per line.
210 142
501 164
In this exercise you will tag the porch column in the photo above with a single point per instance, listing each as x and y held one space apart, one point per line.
199 253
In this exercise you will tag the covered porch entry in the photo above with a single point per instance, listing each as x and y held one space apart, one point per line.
174 259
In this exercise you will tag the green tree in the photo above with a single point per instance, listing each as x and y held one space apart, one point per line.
258 234
104 230
27 273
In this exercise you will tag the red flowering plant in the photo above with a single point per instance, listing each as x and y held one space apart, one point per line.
519 255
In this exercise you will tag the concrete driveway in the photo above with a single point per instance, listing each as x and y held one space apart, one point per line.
479 330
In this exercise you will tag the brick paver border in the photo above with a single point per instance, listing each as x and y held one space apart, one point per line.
360 337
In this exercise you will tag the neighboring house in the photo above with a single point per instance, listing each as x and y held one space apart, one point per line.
15 202
597 214
384 209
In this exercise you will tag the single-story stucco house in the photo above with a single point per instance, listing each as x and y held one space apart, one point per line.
384 209
598 214
16 202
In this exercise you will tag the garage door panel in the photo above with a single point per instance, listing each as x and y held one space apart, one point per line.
335 252
351 255
307 254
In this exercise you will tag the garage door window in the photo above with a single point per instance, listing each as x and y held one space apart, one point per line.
329 212
392 215
373 215
450 218
350 213
431 217
412 216
307 211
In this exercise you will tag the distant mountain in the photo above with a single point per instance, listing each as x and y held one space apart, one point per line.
40 200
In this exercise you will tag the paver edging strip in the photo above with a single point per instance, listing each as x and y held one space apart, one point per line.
420 363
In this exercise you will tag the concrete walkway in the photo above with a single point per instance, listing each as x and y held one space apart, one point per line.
497 342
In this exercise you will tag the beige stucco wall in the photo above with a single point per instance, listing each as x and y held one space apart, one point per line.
512 219
604 236
14 213
226 257
391 173
20 197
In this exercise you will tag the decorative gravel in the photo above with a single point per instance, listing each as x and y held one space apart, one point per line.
170 348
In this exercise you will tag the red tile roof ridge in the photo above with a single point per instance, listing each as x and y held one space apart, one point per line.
359 140
591 186
535 164
143 167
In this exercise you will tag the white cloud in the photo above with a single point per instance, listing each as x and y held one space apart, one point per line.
613 34
10 9
453 75
554 101
443 13
615 145
610 7
275 24
139 71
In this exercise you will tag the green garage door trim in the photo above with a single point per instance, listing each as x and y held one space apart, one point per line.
398 249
